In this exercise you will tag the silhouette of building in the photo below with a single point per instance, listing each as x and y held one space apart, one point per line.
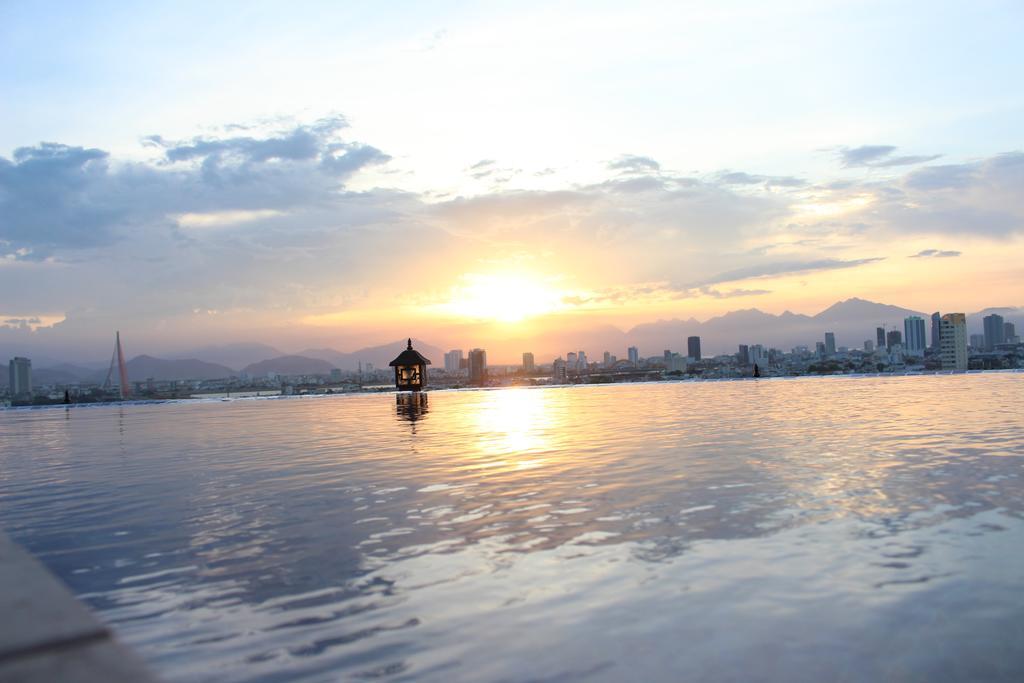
913 328
528 365
20 378
757 355
830 343
880 337
634 355
743 355
606 361
819 349
936 330
453 361
994 331
410 369
693 347
477 366
558 371
893 338
570 360
1010 334
953 339
581 361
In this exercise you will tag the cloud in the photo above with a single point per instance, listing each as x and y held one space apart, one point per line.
783 268
935 253
878 156
741 178
630 163
951 176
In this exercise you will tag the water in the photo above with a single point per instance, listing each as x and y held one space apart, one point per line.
793 530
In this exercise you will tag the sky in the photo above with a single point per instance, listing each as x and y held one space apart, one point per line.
336 174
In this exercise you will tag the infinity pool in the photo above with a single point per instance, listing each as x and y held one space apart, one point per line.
855 529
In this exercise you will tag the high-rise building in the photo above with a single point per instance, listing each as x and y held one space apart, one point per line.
743 355
830 343
978 342
819 349
453 361
477 366
869 346
581 361
606 361
758 355
693 347
558 371
892 338
880 337
528 365
634 355
994 331
913 328
570 360
667 355
953 339
936 330
1010 333
20 377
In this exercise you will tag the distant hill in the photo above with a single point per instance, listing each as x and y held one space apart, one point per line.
289 365
853 321
232 355
380 355
144 367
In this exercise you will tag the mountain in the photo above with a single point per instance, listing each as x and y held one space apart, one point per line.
232 355
380 355
853 321
289 365
145 367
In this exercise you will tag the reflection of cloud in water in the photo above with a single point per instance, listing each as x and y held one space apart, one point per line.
733 518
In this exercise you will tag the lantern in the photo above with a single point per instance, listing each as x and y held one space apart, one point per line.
410 370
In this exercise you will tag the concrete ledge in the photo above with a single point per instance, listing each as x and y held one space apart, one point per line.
48 635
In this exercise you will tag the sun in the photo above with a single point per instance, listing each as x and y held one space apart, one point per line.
503 297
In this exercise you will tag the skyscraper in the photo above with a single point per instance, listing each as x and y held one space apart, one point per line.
953 339
558 372
936 330
570 360
453 361
743 355
1010 333
607 360
693 347
913 328
892 338
880 337
20 377
994 331
830 343
477 366
634 355
581 361
528 365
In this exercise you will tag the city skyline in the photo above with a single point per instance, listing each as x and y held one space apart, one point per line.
205 207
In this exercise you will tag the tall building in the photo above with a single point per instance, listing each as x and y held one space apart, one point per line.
880 337
667 356
20 370
558 371
528 365
1010 333
477 366
936 330
869 346
581 361
913 329
994 331
953 339
978 342
892 338
634 355
819 349
570 360
758 355
453 361
607 360
693 347
830 343
743 355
